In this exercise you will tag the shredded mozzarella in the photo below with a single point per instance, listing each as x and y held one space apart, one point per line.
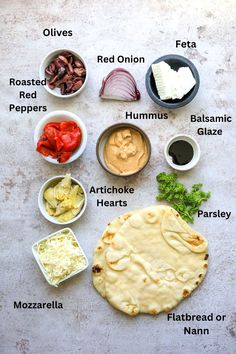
60 255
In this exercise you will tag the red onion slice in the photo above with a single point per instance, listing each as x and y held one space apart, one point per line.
119 85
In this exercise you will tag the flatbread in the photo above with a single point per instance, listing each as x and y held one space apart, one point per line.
152 261
101 247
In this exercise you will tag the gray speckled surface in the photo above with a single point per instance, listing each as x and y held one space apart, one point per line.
88 324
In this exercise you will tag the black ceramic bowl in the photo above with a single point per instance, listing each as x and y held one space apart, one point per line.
176 62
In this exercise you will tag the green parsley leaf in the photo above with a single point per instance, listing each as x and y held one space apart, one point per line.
186 203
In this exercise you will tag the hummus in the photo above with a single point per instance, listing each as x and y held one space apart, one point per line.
125 151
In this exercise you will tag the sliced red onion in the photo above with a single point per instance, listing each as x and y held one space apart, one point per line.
119 85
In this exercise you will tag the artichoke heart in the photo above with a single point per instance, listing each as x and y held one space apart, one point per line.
64 206
65 200
63 188
68 215
49 209
49 196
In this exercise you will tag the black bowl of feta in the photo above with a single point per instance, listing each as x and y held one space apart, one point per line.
172 81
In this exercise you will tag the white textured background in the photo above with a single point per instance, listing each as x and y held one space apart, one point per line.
88 324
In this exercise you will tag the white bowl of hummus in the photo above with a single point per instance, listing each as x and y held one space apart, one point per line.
123 149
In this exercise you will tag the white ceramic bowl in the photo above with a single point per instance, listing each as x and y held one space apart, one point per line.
196 152
60 116
47 60
36 256
41 202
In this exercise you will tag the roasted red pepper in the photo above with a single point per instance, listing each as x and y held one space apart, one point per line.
59 140
52 124
71 140
64 156
68 126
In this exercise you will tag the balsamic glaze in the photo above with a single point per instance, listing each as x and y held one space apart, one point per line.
181 152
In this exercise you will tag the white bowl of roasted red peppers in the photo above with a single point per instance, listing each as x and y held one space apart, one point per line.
60 137
65 72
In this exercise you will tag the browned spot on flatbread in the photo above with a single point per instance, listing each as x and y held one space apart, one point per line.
205 265
153 312
96 269
206 257
99 248
167 309
200 275
108 236
134 311
197 283
195 240
126 216
151 217
186 293
113 262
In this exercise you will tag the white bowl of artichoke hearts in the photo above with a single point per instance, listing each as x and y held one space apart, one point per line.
62 199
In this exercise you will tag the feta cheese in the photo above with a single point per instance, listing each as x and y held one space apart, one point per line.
172 84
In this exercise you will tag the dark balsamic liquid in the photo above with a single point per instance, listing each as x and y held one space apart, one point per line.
181 152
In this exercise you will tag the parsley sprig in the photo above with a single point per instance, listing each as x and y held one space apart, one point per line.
186 203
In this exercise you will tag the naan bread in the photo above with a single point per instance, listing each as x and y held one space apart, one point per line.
99 252
152 261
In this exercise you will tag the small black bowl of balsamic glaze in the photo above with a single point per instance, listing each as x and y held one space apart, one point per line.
182 152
